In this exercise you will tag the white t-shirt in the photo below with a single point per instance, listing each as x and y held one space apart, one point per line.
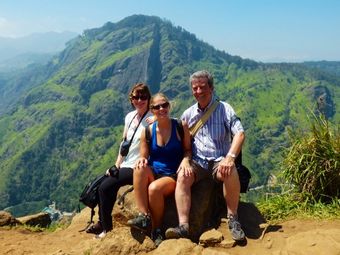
133 155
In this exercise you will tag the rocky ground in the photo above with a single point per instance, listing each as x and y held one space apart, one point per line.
294 237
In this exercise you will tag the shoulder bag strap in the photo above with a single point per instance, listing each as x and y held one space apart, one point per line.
136 127
134 116
193 129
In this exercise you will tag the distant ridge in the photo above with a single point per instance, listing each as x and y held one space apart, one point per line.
50 42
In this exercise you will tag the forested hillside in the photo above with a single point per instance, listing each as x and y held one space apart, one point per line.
66 122
331 67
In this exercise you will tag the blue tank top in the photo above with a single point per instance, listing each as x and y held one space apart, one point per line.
166 159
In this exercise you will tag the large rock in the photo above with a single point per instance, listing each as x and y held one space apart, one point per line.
121 240
6 219
40 219
205 209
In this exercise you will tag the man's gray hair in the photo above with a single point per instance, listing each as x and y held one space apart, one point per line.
202 74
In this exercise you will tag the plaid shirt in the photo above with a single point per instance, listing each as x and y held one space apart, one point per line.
212 140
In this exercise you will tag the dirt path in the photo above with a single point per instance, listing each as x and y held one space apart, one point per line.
295 237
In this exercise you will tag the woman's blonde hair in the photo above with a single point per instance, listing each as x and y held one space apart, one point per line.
159 94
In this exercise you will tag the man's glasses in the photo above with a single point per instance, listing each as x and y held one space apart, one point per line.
157 107
141 97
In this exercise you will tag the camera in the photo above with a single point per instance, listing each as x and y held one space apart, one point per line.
124 148
114 171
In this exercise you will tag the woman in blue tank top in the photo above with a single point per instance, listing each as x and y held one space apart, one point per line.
165 160
161 157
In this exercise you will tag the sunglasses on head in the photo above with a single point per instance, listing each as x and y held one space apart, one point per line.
141 97
164 106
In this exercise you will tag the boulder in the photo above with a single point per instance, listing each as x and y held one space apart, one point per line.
40 219
121 240
6 219
208 209
204 195
211 238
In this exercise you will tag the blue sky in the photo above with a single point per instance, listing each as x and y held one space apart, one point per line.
263 30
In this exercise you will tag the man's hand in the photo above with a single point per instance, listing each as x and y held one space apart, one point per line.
185 167
225 166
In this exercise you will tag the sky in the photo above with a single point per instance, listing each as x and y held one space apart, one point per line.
262 30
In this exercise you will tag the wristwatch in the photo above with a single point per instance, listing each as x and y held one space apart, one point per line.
231 155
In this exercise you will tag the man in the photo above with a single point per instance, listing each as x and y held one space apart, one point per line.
213 155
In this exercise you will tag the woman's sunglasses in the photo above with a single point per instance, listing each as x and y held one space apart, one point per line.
141 97
157 107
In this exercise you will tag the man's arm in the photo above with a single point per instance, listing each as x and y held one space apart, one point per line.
228 163
236 145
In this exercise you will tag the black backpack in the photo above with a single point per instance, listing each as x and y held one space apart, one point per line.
90 198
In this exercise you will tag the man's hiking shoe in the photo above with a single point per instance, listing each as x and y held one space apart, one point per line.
177 232
235 228
141 222
156 236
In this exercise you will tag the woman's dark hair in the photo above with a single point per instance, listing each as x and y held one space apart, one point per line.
140 89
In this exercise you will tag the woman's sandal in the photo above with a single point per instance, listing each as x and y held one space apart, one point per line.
95 229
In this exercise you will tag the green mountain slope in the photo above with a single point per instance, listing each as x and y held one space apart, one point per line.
66 128
332 67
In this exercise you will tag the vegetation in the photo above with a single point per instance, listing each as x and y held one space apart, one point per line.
311 166
288 206
60 124
312 163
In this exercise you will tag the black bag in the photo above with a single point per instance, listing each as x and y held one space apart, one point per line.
244 175
89 196
124 148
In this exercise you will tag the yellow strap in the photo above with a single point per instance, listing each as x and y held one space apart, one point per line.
193 129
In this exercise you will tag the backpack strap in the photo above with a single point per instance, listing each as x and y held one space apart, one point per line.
89 223
148 135
179 127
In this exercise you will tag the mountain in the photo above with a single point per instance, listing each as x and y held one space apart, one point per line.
23 60
16 83
332 67
65 122
16 53
50 42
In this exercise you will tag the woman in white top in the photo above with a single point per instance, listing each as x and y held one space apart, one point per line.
122 173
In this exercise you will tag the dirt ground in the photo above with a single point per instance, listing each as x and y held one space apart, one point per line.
293 237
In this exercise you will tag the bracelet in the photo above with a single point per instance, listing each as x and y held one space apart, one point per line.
233 155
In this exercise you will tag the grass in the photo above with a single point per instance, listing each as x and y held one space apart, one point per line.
311 169
312 163
288 206
51 228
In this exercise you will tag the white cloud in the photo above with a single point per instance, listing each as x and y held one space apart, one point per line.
3 22
7 29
